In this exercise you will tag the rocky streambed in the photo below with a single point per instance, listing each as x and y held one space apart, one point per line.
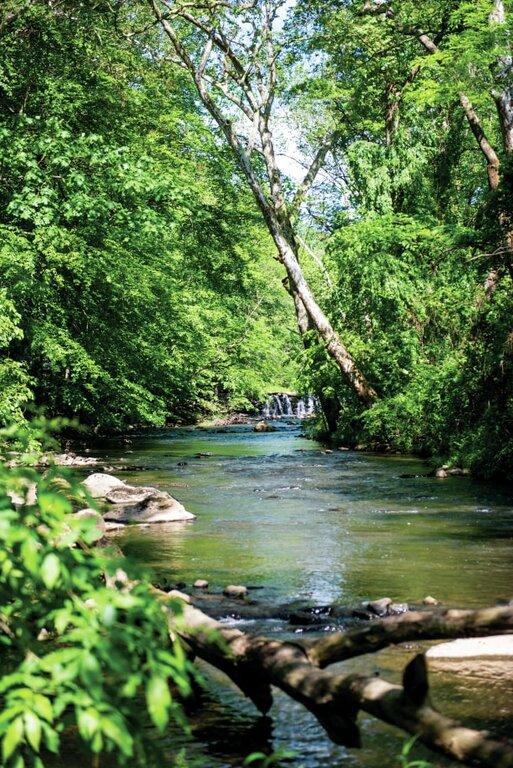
314 536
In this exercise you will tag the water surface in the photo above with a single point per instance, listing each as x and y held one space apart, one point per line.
277 511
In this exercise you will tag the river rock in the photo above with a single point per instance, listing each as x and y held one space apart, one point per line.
235 590
111 526
395 609
380 607
264 426
201 584
177 595
73 460
473 648
27 496
159 507
130 494
429 600
447 471
100 484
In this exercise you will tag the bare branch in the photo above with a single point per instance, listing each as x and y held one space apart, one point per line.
315 167
411 626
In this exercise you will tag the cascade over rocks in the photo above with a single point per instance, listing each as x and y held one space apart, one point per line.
283 405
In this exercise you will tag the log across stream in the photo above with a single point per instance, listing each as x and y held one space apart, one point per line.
312 528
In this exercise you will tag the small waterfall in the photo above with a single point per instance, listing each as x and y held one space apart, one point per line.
281 405
287 405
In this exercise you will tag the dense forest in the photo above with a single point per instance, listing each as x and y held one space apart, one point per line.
139 284
136 278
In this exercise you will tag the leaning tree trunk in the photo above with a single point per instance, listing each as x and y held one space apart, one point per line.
330 406
257 108
319 321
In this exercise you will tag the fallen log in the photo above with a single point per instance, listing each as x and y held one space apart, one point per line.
335 698
425 625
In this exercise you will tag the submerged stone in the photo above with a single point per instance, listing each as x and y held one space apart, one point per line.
235 590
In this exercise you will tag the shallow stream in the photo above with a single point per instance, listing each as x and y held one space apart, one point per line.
278 512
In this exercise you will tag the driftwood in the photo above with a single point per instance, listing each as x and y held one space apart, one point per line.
335 698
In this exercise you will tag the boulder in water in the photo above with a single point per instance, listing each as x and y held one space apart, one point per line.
395 609
110 526
264 426
130 494
447 471
429 600
379 607
152 507
235 590
100 484
201 584
71 460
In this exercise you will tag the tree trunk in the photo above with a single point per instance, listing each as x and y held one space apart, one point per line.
320 322
273 208
330 406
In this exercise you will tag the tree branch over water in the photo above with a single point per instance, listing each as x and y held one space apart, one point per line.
335 698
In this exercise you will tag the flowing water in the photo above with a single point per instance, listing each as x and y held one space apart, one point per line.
278 512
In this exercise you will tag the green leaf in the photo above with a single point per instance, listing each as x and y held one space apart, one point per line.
12 738
88 722
43 706
33 730
30 554
158 699
50 569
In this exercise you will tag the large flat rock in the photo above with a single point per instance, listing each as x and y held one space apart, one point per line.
158 507
99 484
499 646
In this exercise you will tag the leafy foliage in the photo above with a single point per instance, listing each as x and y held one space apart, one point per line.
131 256
418 233
85 641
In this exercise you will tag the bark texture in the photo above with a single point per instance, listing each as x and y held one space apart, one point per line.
335 698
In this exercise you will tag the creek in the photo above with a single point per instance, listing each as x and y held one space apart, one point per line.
277 512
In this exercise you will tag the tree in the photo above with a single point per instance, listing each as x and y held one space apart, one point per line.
233 52
131 253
